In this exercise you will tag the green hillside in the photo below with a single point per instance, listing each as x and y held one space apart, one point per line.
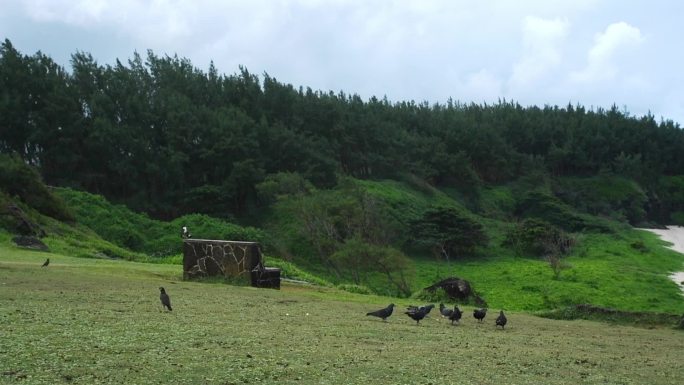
607 260
535 206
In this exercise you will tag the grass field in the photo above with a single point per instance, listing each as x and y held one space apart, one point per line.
90 321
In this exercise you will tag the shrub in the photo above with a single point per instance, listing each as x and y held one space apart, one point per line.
537 237
356 289
138 232
542 205
438 295
612 196
19 179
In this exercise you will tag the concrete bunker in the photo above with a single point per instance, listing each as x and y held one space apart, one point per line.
228 259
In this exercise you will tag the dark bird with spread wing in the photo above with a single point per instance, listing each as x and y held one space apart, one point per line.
382 313
426 309
480 314
418 313
501 320
165 300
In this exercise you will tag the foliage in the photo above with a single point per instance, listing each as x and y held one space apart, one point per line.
434 296
667 200
281 185
604 268
291 271
161 136
21 180
326 174
357 289
595 313
448 232
537 204
606 195
537 237
138 232
360 259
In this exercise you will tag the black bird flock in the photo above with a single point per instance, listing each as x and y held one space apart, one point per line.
418 313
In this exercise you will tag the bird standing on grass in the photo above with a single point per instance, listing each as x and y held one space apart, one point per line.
480 314
417 313
455 315
47 262
426 309
501 320
165 300
382 313
445 311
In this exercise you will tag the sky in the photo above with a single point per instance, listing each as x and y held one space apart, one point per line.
594 53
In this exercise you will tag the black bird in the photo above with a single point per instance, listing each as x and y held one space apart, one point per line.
445 311
480 314
417 313
185 234
501 320
428 308
165 300
47 262
425 308
383 313
455 315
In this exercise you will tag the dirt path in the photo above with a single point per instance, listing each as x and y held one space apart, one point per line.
675 235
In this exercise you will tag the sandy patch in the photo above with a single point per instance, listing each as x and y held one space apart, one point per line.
675 235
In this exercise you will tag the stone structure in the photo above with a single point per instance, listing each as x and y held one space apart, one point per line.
228 259
458 289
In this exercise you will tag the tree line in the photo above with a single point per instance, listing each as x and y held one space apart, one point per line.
162 136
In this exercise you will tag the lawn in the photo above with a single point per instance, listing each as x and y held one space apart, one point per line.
604 270
90 321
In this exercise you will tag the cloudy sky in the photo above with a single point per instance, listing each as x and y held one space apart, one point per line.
589 52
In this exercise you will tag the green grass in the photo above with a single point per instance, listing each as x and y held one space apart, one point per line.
138 232
87 321
605 270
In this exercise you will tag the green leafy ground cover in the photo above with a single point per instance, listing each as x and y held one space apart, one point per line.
604 270
89 321
626 269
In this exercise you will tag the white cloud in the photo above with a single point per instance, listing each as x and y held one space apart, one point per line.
602 64
542 51
408 50
483 86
